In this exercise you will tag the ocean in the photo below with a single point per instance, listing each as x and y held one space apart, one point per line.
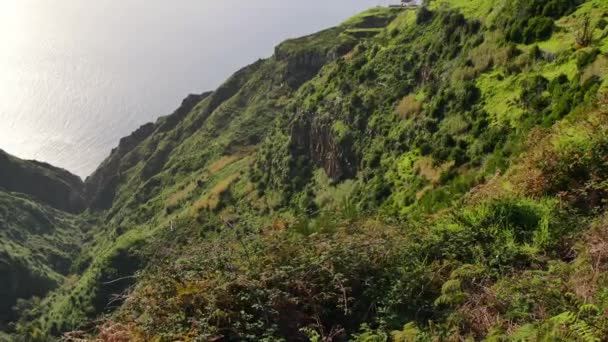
76 75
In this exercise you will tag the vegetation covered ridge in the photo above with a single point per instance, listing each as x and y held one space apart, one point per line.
428 174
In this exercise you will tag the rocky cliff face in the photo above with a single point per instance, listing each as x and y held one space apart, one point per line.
317 141
47 184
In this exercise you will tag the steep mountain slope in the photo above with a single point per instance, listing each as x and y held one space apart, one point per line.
426 174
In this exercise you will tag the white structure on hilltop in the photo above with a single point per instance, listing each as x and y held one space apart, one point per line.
406 3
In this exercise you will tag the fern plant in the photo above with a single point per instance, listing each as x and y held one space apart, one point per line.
571 326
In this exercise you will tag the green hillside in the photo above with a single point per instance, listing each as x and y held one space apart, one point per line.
428 174
40 235
37 247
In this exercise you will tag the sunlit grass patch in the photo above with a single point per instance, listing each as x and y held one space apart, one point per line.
559 41
175 198
408 106
221 163
569 69
371 16
212 199
473 9
404 20
427 169
598 68
501 96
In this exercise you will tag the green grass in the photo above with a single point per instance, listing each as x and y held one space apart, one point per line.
569 69
501 97
363 32
378 16
482 9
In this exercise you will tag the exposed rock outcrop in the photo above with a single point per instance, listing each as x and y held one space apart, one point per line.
317 140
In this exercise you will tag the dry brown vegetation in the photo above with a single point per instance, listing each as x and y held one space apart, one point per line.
221 163
427 169
408 107
180 195
108 331
479 311
598 68
212 199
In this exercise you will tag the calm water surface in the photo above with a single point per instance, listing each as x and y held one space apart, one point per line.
76 75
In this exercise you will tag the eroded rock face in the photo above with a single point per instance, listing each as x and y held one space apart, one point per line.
315 138
301 66
48 184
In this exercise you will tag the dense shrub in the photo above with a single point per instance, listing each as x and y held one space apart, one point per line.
533 93
578 172
423 15
532 30
529 21
537 29
558 8
548 102
325 282
586 57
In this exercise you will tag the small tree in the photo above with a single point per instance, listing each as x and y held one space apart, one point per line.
584 35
